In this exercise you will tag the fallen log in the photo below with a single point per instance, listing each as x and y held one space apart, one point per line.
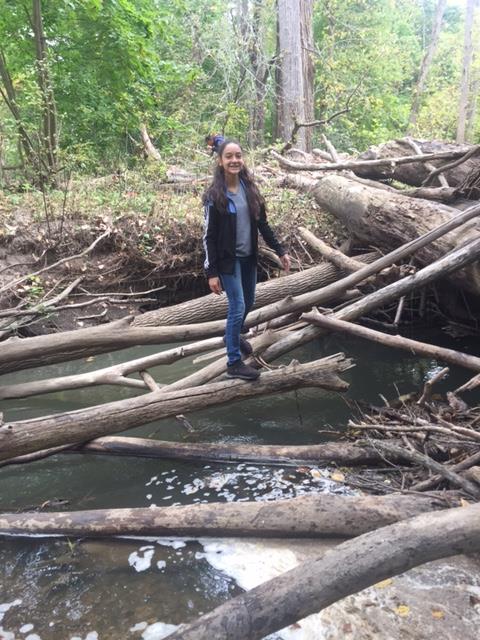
335 256
70 345
26 436
369 167
415 173
398 342
321 515
455 260
114 375
388 220
339 572
31 352
340 453
214 307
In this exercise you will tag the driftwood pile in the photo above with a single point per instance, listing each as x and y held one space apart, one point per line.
418 243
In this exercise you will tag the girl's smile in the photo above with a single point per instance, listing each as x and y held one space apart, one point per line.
231 160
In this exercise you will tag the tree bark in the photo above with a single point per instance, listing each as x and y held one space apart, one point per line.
385 447
466 70
213 307
32 352
316 516
26 436
49 119
340 453
387 220
346 569
114 375
296 75
9 96
150 150
426 63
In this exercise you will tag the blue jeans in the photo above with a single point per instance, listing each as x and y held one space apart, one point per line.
240 289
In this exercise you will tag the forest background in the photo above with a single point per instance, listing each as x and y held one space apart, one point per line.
91 73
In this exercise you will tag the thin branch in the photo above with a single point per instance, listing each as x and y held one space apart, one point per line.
451 165
56 264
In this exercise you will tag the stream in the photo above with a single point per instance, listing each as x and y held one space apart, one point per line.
61 589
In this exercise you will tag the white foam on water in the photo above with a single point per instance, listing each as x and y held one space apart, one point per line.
175 543
5 606
250 563
161 564
158 630
140 626
25 628
33 636
141 562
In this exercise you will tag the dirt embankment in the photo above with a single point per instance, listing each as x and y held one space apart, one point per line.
149 250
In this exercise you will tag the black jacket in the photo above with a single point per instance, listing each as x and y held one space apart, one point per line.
219 239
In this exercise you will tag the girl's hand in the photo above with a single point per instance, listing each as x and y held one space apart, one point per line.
285 260
215 285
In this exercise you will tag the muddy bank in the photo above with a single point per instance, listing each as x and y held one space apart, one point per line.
149 250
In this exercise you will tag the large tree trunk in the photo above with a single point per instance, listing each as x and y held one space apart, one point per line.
466 69
386 219
340 453
346 569
213 307
426 63
296 76
304 517
472 105
26 436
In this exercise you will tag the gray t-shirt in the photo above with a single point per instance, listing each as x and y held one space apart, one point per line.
244 225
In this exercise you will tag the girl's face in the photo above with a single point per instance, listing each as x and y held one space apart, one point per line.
231 159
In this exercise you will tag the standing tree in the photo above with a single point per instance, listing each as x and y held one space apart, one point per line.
256 65
466 68
295 78
426 63
471 114
49 133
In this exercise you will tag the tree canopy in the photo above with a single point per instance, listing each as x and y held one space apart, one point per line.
188 67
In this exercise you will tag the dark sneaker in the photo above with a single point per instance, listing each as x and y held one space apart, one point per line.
243 371
245 347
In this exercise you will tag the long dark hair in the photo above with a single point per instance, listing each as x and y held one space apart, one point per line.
217 192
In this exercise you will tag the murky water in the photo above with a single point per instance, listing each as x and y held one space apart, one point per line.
129 588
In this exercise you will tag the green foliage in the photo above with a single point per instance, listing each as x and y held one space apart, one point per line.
187 67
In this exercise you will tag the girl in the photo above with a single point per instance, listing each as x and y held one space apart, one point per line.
234 213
